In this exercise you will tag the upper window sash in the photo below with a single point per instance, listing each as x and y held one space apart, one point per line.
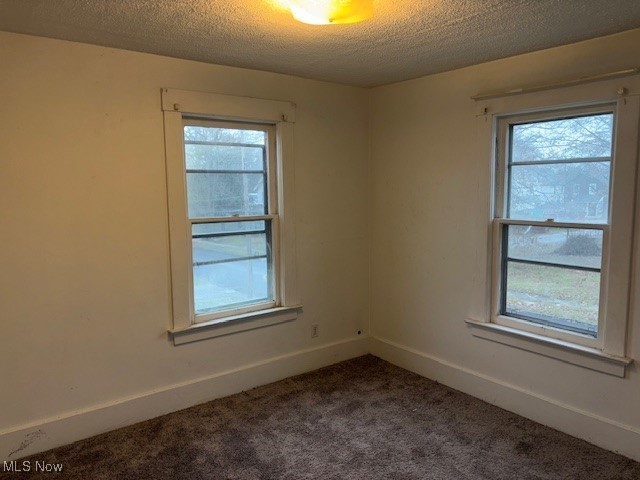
269 169
504 125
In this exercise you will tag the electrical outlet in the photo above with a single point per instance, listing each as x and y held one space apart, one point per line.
314 330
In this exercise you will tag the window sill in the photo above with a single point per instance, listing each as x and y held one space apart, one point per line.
234 324
568 352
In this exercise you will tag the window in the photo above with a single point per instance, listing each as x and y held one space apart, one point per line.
229 177
551 268
562 222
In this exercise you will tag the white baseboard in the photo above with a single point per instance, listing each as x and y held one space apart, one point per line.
600 431
49 433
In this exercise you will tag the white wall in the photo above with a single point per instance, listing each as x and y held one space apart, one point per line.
429 240
84 257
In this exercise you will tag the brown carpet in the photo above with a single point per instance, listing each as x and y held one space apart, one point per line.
360 419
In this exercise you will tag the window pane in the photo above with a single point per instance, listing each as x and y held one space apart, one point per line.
225 194
218 157
556 296
230 266
215 159
208 249
578 137
227 285
223 135
228 227
565 246
572 192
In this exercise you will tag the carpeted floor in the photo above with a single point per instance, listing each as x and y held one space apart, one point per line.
360 419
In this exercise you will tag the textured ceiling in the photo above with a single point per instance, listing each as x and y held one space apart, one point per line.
406 38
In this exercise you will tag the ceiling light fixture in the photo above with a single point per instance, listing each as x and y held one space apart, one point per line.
324 12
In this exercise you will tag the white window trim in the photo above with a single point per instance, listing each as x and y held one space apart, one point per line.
591 358
608 353
177 104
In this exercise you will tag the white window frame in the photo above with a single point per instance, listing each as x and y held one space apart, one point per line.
271 216
182 107
608 293
605 353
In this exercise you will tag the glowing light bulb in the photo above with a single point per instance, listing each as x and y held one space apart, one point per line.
323 12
